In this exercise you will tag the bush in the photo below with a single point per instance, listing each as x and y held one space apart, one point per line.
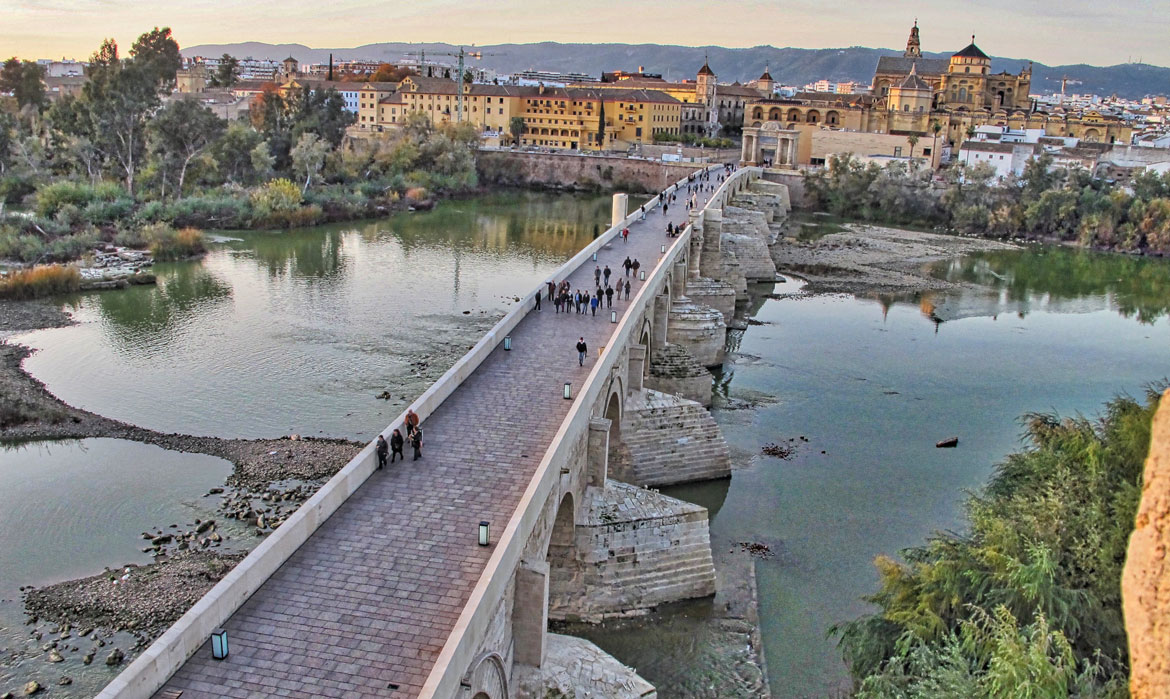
168 244
296 218
13 189
42 280
416 193
279 195
209 211
52 197
101 211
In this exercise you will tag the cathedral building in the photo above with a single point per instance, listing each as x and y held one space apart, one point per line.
913 99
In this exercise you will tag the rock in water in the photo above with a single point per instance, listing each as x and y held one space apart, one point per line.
948 443
55 657
115 657
32 688
65 681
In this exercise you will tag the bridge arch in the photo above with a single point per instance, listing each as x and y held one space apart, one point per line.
486 678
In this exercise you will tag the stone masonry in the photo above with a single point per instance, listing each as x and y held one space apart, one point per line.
672 440
673 370
635 549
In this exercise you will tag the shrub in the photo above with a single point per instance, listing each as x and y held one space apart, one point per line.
416 193
210 211
101 211
13 189
168 244
296 218
52 197
276 196
42 280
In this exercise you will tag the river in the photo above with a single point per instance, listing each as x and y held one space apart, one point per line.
276 333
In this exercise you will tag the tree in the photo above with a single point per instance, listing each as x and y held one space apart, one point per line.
227 73
912 139
601 124
516 127
7 132
970 135
937 128
158 53
118 100
104 57
25 80
308 157
262 160
387 73
178 133
233 152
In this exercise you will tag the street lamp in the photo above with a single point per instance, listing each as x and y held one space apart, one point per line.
568 391
507 343
595 257
664 249
219 644
483 534
613 316
642 275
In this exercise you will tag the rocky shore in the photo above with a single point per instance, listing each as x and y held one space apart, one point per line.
866 259
105 618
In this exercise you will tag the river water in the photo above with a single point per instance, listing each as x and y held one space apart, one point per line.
274 333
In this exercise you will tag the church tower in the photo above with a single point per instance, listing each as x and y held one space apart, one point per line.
913 45
766 84
705 84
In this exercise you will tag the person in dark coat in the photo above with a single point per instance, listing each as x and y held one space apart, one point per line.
416 443
382 449
609 297
627 289
396 442
582 348
635 266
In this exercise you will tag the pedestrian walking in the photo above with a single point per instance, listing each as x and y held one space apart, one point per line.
582 348
396 442
593 306
635 266
669 229
551 288
597 275
627 264
609 297
416 443
665 208
411 422
557 303
627 289
538 299
605 273
382 449
625 235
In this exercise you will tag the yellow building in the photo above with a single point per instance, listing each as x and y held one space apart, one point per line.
559 118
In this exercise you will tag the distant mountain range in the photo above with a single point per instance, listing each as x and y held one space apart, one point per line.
790 66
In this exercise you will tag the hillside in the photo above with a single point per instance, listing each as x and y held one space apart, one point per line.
791 66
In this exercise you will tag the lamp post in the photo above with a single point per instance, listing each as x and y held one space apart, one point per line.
507 343
219 644
642 275
664 249
613 316
568 391
484 540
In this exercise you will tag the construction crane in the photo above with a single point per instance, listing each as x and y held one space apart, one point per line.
1065 80
462 56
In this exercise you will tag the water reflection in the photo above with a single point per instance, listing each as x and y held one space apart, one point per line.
145 317
1053 279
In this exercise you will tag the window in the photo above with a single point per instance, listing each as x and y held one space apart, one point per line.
897 151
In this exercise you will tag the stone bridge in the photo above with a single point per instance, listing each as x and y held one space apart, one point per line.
377 586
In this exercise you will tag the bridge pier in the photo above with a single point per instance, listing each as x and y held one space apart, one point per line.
530 613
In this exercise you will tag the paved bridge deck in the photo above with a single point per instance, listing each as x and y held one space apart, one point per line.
368 602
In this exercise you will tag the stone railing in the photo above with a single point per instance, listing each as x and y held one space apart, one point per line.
151 669
472 626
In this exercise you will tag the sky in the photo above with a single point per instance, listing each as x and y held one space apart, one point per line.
1098 32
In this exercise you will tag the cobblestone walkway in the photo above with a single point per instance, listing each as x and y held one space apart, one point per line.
364 607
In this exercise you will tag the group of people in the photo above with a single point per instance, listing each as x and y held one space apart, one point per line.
393 448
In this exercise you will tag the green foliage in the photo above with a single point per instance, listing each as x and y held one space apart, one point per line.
14 188
278 196
52 197
24 80
1043 203
166 243
227 73
1028 603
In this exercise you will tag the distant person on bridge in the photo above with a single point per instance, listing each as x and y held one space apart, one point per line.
625 235
609 296
382 449
538 299
593 305
605 273
411 422
551 289
635 266
627 264
597 275
627 289
416 443
396 443
582 348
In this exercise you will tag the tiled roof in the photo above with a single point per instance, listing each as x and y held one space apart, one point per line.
972 51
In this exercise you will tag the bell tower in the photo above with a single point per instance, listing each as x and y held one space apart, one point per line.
913 45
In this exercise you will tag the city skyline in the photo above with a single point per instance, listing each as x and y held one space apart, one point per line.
1081 31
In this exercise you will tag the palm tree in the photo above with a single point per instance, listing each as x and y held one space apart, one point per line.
912 139
970 135
936 127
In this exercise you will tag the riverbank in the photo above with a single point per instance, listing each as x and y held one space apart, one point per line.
867 259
